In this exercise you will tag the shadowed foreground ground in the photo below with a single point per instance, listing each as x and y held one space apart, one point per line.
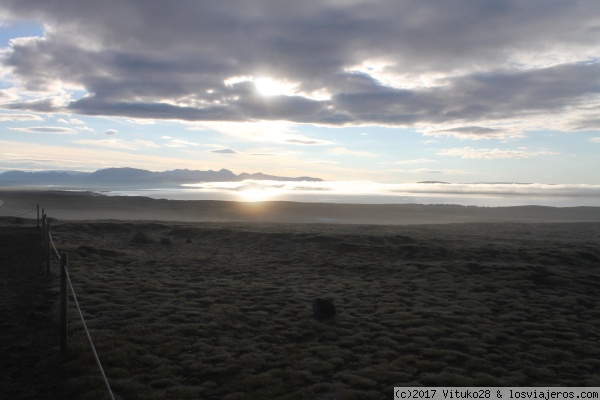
28 323
222 310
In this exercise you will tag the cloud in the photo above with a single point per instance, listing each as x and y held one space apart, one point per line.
20 117
111 132
73 121
178 143
260 131
595 139
432 171
55 130
45 157
469 152
141 121
305 141
120 144
298 141
587 120
223 151
370 62
475 132
415 161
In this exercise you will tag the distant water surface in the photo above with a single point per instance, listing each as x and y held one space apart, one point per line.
481 195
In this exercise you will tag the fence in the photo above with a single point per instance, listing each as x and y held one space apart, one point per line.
65 285
26 212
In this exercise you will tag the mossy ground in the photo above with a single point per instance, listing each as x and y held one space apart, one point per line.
224 310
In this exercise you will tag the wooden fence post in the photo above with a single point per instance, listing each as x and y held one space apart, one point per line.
44 231
47 246
64 263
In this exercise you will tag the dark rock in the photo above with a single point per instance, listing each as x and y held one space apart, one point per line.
323 309
142 238
189 240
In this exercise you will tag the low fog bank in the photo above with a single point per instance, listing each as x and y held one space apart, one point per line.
64 205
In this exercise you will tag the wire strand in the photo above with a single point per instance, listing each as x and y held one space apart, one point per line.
85 328
52 241
25 213
87 332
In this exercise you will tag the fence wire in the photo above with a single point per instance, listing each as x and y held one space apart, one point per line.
22 214
25 213
53 246
85 328
87 332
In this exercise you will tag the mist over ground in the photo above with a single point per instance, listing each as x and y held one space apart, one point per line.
92 206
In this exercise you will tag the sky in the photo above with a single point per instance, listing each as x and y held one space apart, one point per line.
345 90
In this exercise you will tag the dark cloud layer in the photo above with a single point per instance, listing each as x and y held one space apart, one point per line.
407 63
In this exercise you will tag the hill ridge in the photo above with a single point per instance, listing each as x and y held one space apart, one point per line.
135 177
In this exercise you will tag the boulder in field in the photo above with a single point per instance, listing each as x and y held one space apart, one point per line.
323 309
142 238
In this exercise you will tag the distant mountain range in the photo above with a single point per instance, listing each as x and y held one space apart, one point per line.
132 178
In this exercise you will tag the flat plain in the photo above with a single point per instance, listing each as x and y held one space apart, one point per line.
222 310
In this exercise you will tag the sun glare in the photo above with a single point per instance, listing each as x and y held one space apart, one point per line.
255 195
272 87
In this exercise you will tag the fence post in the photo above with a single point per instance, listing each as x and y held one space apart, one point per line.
44 231
64 263
38 215
47 246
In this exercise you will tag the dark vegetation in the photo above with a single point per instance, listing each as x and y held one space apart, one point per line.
224 311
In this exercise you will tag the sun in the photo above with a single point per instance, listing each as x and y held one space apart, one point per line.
271 87
255 195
